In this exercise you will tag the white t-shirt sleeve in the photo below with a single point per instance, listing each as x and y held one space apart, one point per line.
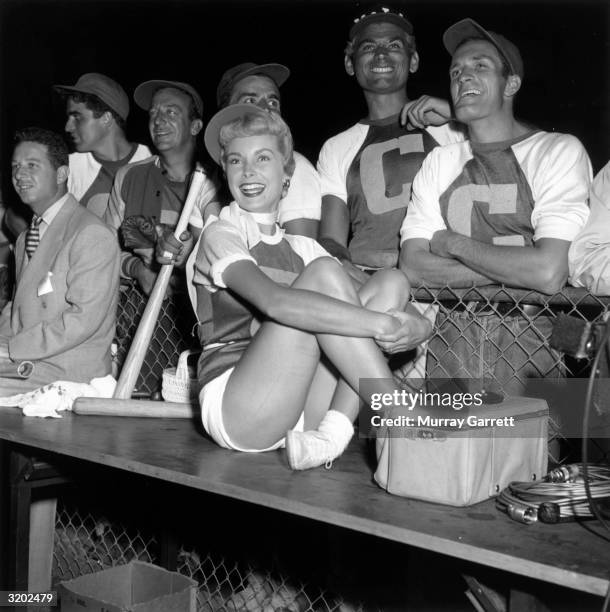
307 248
589 255
561 187
448 133
207 194
221 245
72 182
83 171
142 153
304 199
196 218
332 180
424 216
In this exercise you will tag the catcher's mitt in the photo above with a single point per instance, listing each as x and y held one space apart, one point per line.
138 232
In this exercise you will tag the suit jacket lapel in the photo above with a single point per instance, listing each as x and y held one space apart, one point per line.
50 244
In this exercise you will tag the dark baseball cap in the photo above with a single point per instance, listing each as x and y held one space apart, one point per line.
144 93
222 117
278 73
468 28
384 13
101 86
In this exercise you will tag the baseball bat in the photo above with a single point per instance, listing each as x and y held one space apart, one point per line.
132 408
139 345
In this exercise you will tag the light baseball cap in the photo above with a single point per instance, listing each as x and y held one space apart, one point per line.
221 118
145 92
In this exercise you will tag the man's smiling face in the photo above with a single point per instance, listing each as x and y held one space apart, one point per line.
477 81
169 121
382 58
35 179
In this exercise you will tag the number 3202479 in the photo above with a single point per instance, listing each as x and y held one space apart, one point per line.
28 598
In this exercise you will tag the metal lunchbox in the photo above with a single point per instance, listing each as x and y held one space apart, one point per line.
462 463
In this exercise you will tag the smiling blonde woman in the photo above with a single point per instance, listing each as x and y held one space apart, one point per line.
275 311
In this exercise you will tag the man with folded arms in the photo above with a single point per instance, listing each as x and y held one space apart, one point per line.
500 208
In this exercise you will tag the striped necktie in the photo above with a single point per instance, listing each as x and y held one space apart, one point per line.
32 237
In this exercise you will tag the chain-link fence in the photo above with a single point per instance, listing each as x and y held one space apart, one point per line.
237 569
172 334
494 334
496 339
500 335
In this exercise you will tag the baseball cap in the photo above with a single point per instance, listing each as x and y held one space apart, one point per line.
107 90
468 28
144 93
222 117
278 73
383 13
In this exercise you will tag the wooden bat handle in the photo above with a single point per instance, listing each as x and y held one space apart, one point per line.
141 340
132 408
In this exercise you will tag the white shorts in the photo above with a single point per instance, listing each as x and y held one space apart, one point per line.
210 399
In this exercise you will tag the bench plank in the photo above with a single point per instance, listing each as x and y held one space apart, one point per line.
177 451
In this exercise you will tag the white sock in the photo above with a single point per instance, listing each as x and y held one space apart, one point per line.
338 427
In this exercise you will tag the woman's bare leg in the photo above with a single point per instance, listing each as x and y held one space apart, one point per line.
268 389
385 290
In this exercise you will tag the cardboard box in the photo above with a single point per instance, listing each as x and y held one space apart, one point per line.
135 587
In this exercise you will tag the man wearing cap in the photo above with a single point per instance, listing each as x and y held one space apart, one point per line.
148 197
153 191
260 84
97 109
299 213
500 208
367 170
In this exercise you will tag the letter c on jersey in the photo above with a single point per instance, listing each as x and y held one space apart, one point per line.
502 200
372 176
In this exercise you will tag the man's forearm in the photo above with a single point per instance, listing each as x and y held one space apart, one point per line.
518 266
302 227
424 268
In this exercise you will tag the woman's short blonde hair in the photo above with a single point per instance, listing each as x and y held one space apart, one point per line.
258 123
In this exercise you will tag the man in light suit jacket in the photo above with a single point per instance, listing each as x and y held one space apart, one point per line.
62 316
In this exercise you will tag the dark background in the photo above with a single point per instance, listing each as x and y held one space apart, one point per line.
564 45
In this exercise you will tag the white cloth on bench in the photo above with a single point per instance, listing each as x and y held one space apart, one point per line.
49 400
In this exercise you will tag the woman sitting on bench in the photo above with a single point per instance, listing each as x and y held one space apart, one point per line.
270 304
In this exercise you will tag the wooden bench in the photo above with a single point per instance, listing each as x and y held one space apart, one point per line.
177 452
